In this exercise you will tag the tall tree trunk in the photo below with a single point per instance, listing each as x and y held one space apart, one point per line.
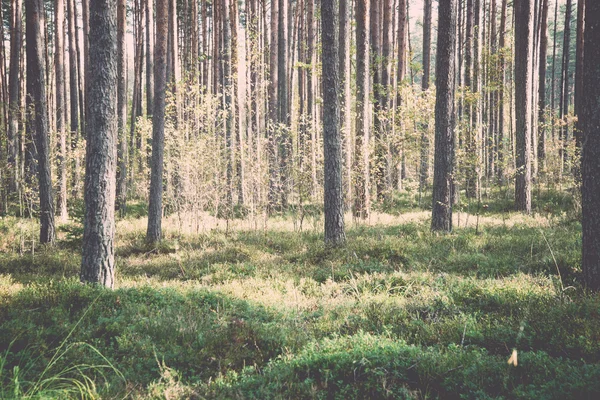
375 23
154 232
542 86
227 97
123 152
564 96
98 255
398 154
502 67
441 217
553 79
332 140
150 56
59 72
310 103
523 102
273 109
361 145
74 93
590 121
282 96
14 108
345 32
424 165
579 59
37 114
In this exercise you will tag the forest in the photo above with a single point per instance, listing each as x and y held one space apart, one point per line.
300 199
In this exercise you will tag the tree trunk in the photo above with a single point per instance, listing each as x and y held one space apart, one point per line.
398 149
502 67
154 232
441 217
345 33
98 256
282 97
579 60
37 125
59 65
123 152
542 86
74 94
590 123
332 140
149 56
523 102
14 108
424 165
273 110
361 144
564 96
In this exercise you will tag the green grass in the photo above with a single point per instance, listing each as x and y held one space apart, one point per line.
273 313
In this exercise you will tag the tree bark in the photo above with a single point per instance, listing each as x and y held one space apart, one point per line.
564 96
361 144
14 90
579 61
59 72
441 219
424 165
590 123
98 256
542 86
149 56
123 152
154 232
332 140
523 102
37 126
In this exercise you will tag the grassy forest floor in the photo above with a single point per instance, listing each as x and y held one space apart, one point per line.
259 309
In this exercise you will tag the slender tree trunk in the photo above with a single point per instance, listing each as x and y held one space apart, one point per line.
398 150
564 96
98 256
229 125
542 86
14 108
154 232
282 96
273 109
123 152
150 56
361 144
523 102
441 219
553 79
59 65
345 108
332 140
502 67
579 59
590 121
424 166
74 94
37 114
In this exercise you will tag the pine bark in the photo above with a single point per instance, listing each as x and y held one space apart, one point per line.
564 96
590 123
123 153
14 93
149 56
37 115
361 144
59 72
154 232
523 102
578 99
424 165
98 257
542 85
332 140
444 118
